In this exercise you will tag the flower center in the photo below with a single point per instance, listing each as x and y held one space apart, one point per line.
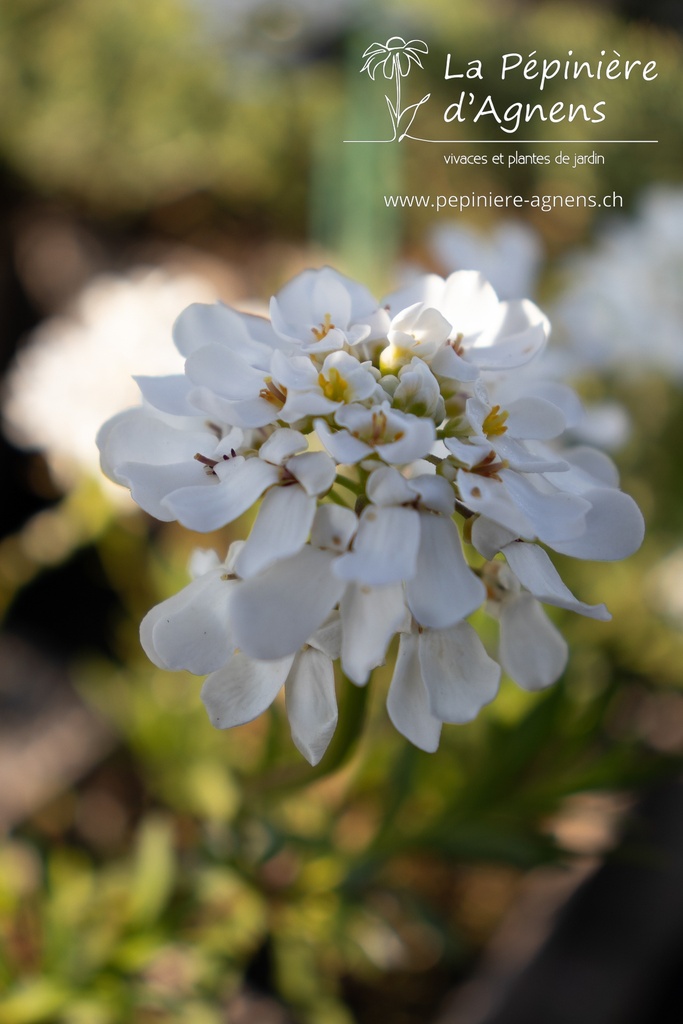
325 327
273 393
494 424
488 467
377 432
333 385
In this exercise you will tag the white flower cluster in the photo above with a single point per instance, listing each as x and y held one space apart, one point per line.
369 431
75 367
621 304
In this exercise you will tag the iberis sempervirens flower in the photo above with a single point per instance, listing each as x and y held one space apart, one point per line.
401 485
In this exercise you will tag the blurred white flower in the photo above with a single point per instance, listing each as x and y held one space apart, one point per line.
621 306
664 587
509 256
77 368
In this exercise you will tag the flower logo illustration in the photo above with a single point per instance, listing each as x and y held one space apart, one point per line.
395 58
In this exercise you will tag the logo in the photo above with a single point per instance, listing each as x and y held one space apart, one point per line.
488 106
395 58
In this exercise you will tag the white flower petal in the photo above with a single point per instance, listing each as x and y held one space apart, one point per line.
488 537
273 614
328 638
534 418
444 589
493 352
418 437
201 324
315 471
201 561
168 394
534 570
469 302
341 445
190 630
282 444
370 617
407 701
359 377
385 547
211 506
243 689
316 297
459 676
418 391
597 467
469 453
311 703
225 372
476 411
333 528
434 492
532 651
427 288
521 459
136 435
386 486
301 404
233 554
614 528
330 296
412 436
253 412
281 529
448 364
556 516
421 323
229 445
334 340
491 498
295 372
561 396
150 485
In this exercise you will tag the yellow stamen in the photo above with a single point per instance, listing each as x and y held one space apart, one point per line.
277 396
325 327
456 344
495 422
333 386
379 425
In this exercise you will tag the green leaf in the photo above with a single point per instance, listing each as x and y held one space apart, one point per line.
154 870
34 1001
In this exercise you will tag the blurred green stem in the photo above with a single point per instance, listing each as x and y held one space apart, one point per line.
347 734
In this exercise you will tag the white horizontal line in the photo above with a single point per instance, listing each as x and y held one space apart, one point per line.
519 142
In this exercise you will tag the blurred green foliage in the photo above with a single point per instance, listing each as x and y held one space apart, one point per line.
118 108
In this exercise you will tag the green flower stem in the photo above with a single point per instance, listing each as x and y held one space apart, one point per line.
397 70
350 485
347 734
337 499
